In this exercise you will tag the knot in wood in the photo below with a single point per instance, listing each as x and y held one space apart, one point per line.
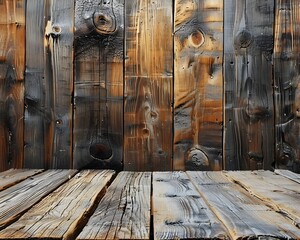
105 22
196 38
198 157
243 39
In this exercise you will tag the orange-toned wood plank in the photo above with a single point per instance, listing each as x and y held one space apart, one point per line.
12 64
198 85
148 86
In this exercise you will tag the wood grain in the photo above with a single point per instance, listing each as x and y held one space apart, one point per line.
249 113
287 84
278 192
17 199
98 86
179 212
13 176
148 88
124 211
288 174
12 64
198 85
244 216
63 213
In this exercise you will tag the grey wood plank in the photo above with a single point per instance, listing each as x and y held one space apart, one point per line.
14 201
179 212
279 192
64 212
288 174
13 176
244 216
124 211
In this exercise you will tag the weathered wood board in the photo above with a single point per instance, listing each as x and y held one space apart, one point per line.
12 64
249 113
179 212
287 84
98 86
20 197
244 216
288 174
62 214
148 89
124 211
279 192
198 85
12 176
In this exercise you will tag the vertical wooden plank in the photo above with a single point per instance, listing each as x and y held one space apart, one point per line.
12 64
248 46
198 85
98 90
287 84
148 85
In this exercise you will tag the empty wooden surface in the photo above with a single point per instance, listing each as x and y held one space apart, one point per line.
198 85
180 212
148 89
124 212
63 213
288 174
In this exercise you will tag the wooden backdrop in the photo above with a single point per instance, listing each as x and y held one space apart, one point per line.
150 84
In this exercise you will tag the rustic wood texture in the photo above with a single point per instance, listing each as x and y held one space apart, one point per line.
98 92
288 174
287 84
124 211
245 217
198 85
249 114
179 212
62 214
279 192
17 199
148 89
12 64
12 176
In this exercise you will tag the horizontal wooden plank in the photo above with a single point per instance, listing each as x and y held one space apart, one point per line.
124 211
14 201
245 216
288 174
279 192
13 176
63 213
179 212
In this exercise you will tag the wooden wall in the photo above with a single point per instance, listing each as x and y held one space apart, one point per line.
150 85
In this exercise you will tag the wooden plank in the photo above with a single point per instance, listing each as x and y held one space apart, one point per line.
148 85
12 64
248 45
14 176
15 200
245 216
287 84
98 90
63 213
198 85
279 192
179 212
288 174
124 211
35 91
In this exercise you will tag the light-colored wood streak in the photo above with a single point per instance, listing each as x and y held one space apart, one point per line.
288 174
20 197
248 45
63 213
198 85
244 215
179 212
287 84
13 176
148 88
124 211
12 65
279 192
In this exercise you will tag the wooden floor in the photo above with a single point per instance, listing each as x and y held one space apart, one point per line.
100 204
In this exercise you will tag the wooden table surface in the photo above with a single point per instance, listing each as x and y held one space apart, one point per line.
101 204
